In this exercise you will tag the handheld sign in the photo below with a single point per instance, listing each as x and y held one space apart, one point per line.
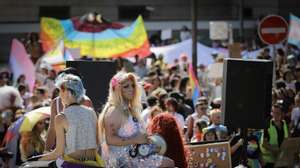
210 155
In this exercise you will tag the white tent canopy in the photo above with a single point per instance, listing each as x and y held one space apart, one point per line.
171 52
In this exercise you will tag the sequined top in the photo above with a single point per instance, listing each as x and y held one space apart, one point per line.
81 134
130 128
118 156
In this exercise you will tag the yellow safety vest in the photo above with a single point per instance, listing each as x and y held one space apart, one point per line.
268 156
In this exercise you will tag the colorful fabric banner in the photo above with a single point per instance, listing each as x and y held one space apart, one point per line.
294 33
12 131
194 84
124 42
57 57
21 63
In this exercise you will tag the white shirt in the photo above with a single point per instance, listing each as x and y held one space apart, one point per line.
179 119
145 114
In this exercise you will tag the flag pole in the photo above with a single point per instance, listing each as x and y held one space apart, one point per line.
194 36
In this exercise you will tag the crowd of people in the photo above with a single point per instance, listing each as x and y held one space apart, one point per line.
144 99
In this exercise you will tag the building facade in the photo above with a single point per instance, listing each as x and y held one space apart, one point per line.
18 17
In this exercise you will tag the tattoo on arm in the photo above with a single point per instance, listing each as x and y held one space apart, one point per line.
113 129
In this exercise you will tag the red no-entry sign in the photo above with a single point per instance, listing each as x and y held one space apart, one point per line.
273 29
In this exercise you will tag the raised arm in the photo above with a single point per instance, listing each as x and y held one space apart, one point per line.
51 136
60 126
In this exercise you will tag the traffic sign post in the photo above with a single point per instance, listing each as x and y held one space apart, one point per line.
273 29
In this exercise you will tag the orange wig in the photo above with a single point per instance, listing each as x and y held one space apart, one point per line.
166 126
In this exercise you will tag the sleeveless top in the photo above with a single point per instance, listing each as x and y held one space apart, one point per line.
118 156
82 133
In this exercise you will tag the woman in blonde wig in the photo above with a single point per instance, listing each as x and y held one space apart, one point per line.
120 126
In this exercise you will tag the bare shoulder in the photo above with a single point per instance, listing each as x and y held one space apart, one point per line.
87 101
112 116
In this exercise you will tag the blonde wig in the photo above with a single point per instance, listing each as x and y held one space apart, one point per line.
115 98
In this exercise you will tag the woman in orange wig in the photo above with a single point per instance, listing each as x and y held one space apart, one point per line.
166 126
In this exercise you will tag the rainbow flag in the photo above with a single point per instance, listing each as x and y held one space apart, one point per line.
194 84
109 43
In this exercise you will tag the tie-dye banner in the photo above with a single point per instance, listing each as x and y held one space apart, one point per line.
109 43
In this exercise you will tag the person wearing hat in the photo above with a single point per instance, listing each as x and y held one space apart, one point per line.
161 95
200 113
31 142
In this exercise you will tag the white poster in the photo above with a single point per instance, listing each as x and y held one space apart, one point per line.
218 30
166 34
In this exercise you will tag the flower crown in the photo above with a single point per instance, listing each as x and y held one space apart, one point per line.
114 82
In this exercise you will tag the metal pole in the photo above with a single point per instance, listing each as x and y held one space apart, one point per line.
241 18
194 35
274 63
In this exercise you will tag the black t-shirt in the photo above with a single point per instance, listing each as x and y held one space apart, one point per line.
297 86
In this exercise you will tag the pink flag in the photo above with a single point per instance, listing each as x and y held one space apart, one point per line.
20 63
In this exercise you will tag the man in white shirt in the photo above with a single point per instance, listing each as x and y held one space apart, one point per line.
172 107
151 102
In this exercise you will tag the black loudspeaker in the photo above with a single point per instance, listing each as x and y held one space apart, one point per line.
246 93
95 76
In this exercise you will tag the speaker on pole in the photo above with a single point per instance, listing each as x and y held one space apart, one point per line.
247 93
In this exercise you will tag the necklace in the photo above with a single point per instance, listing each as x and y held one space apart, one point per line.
72 104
